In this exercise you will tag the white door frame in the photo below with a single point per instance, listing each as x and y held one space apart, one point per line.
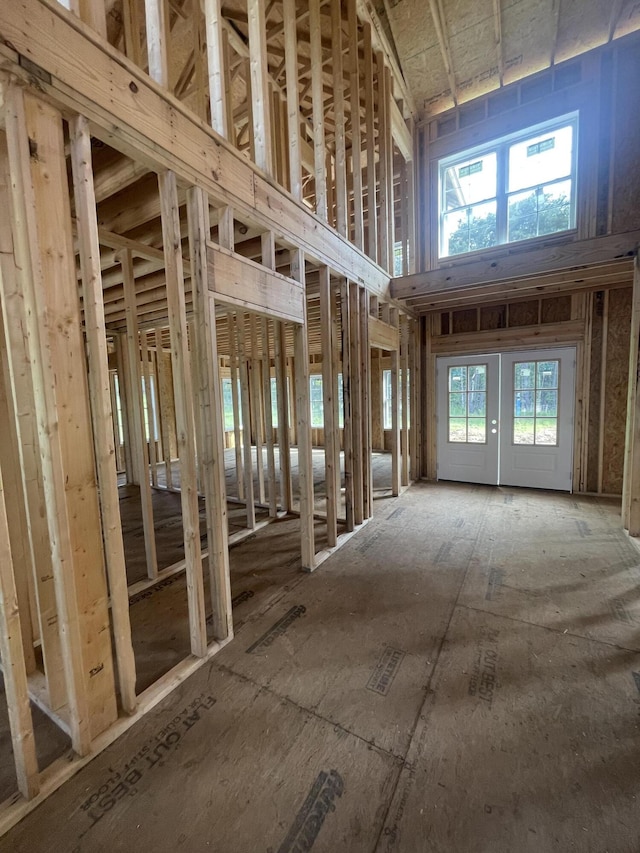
468 461
463 462
539 465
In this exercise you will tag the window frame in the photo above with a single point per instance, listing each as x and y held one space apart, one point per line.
386 397
501 147
319 382
225 381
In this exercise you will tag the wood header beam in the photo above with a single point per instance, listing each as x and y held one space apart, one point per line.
518 337
574 257
382 335
243 283
617 273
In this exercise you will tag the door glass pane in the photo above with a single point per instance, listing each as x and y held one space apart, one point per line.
457 379
523 404
477 430
535 402
458 429
547 404
547 374
523 430
457 405
547 431
477 404
478 378
467 404
524 375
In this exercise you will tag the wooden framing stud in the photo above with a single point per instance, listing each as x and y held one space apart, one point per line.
211 449
102 414
185 419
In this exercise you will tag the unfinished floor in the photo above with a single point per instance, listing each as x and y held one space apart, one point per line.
453 679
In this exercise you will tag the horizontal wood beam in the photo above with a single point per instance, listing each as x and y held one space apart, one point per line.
238 281
510 263
135 115
520 337
382 335
532 287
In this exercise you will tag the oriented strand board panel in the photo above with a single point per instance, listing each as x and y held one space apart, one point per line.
223 765
534 34
370 645
617 373
629 19
471 29
626 176
553 580
519 719
556 309
595 384
465 320
417 43
493 317
427 65
581 29
528 37
523 313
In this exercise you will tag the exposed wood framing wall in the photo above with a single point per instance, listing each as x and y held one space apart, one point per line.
239 173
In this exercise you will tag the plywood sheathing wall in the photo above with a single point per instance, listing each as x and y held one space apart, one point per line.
625 210
610 330
616 366
457 50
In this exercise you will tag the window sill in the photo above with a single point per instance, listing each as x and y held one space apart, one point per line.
504 250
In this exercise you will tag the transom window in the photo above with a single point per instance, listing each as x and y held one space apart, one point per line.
535 402
468 404
519 187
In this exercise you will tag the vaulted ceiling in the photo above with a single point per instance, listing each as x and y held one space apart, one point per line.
454 50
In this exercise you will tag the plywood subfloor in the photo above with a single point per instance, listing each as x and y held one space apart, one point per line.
167 514
264 567
463 675
51 743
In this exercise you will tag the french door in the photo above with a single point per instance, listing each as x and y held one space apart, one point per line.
507 419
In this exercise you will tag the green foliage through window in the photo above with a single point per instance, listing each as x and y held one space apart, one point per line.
520 187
